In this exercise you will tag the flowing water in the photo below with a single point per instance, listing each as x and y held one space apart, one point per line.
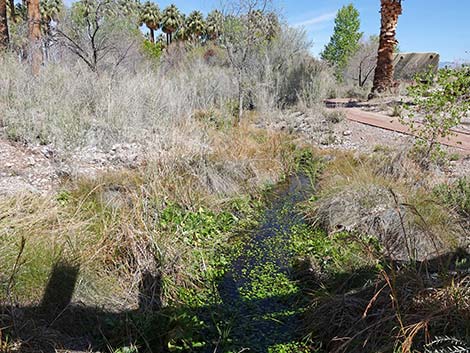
261 302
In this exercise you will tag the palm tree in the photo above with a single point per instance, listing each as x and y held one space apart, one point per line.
214 24
129 8
195 24
4 35
34 35
50 11
182 33
171 21
273 26
383 79
151 17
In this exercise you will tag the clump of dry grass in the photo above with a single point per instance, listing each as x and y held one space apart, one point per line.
361 195
108 223
401 310
422 289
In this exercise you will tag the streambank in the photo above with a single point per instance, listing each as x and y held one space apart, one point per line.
256 305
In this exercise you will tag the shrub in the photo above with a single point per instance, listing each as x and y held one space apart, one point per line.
358 195
442 100
334 116
71 107
153 51
456 195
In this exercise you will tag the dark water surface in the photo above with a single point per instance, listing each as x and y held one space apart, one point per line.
260 299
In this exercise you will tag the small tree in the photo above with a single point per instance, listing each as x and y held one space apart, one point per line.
361 66
99 34
344 42
245 31
441 100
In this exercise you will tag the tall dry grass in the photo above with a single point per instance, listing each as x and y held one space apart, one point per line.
72 107
108 225
415 292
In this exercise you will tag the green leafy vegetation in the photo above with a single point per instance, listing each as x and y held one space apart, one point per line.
441 99
344 42
456 195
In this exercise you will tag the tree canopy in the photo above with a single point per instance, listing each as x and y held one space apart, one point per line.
344 42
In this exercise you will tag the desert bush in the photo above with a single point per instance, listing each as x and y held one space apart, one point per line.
283 73
456 195
334 116
441 101
72 107
352 91
317 85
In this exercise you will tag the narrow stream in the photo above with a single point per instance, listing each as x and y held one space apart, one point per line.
260 299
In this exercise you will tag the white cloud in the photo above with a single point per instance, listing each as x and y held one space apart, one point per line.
316 20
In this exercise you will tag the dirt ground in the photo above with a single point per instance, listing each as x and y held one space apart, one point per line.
39 169
331 128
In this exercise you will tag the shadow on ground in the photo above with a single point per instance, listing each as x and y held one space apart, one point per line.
255 322
58 324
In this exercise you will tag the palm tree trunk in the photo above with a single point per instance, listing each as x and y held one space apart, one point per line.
152 35
383 79
13 11
34 36
4 35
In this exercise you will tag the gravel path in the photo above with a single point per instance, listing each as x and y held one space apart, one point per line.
460 139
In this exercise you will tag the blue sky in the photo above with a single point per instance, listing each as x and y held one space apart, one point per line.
426 25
